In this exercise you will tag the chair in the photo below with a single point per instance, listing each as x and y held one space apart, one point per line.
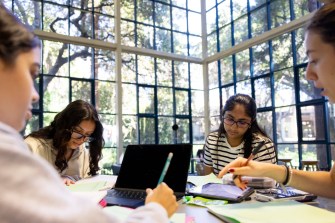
310 165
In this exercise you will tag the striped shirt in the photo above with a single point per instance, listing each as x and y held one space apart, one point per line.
218 156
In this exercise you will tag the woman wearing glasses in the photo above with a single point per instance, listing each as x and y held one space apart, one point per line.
62 143
237 136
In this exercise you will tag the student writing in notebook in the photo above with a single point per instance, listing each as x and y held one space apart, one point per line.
32 190
62 143
237 136
320 49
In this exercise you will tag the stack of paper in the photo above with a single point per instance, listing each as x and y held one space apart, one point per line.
272 212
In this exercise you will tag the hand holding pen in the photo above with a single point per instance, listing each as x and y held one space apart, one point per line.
252 156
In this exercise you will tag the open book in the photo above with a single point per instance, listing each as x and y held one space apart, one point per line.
272 212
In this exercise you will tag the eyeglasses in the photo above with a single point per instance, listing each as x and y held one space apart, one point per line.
240 124
78 135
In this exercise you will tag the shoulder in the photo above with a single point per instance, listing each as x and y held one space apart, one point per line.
35 144
257 137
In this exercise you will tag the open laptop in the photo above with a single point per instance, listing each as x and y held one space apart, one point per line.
141 168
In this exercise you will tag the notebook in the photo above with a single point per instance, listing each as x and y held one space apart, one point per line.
221 191
141 168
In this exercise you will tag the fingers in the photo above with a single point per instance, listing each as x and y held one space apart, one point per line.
68 182
236 163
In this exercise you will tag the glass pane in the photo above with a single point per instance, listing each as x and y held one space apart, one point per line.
145 36
29 12
213 75
332 150
300 46
163 40
164 72
197 103
48 118
214 123
180 43
197 80
183 133
313 125
181 74
129 130
53 53
243 87
182 102
32 125
144 11
289 151
128 68
81 23
284 88
211 44
146 71
301 7
195 44
198 126
162 15
241 30
104 28
227 71
127 9
178 19
211 21
194 23
265 122
80 66
261 59
165 101
105 97
226 93
239 8
129 99
214 102
224 13
146 97
255 4
282 52
263 92
57 21
286 120
180 3
109 157
81 90
104 65
331 121
225 38
315 152
147 130
194 5
242 65
307 89
104 7
110 130
165 132
280 13
56 95
127 33
259 21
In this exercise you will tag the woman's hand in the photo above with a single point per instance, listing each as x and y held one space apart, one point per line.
163 195
68 181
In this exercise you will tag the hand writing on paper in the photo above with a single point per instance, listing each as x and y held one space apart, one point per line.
163 195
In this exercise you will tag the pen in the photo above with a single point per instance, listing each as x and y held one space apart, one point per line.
165 168
252 155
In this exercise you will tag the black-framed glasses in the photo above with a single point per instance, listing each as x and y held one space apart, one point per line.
239 123
78 135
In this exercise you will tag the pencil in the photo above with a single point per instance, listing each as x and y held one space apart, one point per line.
165 168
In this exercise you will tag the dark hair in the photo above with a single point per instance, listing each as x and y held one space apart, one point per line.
15 37
251 110
323 23
60 132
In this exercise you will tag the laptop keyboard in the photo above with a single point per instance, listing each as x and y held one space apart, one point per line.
128 194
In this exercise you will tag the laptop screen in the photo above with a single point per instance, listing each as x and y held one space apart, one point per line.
142 166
